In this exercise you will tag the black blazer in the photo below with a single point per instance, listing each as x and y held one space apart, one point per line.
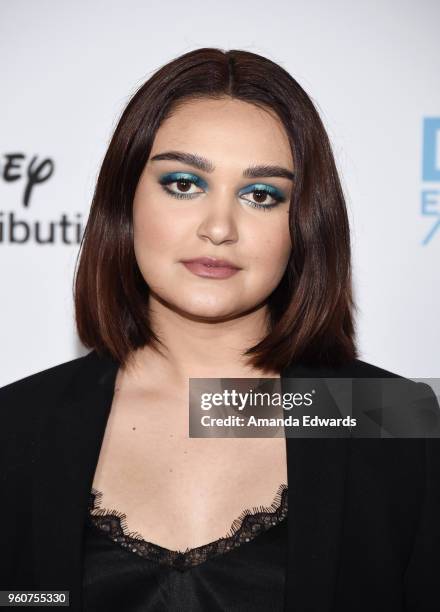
363 518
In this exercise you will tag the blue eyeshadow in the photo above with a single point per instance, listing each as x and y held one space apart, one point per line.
171 177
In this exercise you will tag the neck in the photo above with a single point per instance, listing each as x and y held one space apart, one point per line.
197 348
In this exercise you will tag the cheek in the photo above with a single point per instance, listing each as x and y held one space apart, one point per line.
154 231
271 248
154 241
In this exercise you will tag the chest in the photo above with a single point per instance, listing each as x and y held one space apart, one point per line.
178 491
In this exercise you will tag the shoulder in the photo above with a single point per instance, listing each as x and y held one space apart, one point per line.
408 412
354 368
55 376
410 390
24 403
395 388
364 369
358 370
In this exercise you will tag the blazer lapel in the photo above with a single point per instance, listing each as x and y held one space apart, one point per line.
70 440
316 469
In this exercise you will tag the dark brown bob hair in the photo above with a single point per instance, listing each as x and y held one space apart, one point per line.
311 310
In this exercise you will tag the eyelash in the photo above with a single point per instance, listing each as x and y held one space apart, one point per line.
186 196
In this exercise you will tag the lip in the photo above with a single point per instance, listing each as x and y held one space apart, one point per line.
212 261
210 267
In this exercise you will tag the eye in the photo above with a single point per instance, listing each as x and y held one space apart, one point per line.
266 196
184 182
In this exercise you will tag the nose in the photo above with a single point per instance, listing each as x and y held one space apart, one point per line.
219 219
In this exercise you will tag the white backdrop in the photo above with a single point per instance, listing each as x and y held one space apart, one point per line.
372 68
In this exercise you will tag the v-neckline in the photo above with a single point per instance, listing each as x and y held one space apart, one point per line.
251 523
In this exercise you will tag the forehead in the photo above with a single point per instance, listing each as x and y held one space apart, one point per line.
222 128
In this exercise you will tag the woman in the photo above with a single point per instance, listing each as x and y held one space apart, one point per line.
217 247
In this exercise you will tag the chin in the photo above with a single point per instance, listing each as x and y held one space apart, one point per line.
205 309
208 312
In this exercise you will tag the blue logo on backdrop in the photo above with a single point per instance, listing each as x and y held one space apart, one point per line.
430 199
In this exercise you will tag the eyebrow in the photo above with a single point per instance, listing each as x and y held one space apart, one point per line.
201 163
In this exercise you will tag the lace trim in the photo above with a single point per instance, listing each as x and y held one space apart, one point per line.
245 528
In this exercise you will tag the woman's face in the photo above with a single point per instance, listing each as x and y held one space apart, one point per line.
216 204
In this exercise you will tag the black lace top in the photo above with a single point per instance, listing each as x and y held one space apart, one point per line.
242 571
